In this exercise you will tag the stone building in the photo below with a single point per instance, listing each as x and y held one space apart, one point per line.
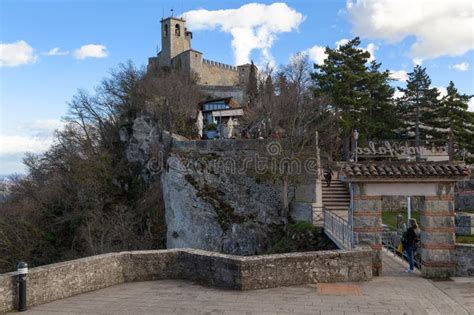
216 79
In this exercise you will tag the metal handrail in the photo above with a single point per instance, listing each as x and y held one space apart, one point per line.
338 229
391 240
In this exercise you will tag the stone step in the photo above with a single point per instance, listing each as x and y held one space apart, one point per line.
336 193
336 196
331 202
333 185
335 203
337 208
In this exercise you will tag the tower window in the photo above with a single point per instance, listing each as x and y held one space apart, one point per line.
165 30
177 30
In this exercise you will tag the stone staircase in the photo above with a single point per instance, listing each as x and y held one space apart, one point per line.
336 197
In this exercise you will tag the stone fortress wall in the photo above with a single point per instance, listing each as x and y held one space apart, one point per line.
57 281
215 73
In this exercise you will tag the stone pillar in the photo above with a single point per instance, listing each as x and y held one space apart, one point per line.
438 234
367 224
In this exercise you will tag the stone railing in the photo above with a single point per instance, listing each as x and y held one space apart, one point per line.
57 281
206 146
465 260
219 64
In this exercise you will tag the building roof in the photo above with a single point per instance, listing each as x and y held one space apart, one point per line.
177 18
405 170
228 100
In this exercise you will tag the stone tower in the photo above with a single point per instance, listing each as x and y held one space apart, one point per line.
215 79
175 39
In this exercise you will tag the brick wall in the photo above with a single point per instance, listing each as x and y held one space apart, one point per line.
52 282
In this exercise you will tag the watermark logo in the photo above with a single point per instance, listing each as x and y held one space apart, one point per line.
274 161
274 148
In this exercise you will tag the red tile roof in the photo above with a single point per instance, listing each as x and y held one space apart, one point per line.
405 170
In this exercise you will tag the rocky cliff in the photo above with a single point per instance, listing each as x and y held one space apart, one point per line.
220 210
215 196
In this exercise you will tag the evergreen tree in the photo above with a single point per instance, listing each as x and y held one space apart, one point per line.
418 106
379 116
268 89
359 93
455 122
252 87
268 95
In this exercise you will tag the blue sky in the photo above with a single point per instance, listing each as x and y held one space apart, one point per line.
35 87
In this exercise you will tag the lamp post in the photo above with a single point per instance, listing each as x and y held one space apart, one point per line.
22 270
355 135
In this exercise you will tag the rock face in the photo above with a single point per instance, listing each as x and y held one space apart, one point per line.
143 134
212 201
219 211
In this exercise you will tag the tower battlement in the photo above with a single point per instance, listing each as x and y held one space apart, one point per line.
219 64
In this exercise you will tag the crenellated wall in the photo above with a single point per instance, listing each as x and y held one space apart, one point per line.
216 73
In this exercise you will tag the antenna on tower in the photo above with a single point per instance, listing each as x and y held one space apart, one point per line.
172 12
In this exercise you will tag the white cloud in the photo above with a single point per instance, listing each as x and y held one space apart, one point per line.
35 137
14 144
57 52
442 92
417 61
253 26
471 105
440 28
16 54
341 42
371 48
91 51
399 75
398 94
463 66
317 54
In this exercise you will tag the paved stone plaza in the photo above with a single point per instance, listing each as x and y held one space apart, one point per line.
394 293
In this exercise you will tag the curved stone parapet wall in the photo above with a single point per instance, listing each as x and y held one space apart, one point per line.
57 281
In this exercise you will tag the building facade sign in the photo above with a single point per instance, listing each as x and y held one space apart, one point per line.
403 150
